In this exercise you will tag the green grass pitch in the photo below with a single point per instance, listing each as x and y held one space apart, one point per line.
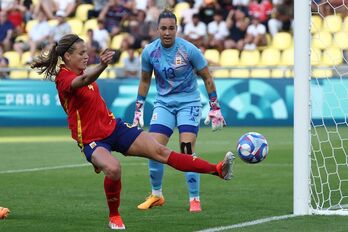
72 198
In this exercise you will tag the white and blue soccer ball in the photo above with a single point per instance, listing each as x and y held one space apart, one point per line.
252 147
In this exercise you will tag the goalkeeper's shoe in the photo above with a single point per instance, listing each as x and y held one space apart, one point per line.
152 201
4 212
225 167
116 223
195 206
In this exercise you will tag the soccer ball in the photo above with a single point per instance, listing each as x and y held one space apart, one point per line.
252 147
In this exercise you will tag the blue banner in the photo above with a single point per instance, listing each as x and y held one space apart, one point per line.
244 102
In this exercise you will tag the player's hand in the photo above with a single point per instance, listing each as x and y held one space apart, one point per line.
106 56
215 117
4 212
139 114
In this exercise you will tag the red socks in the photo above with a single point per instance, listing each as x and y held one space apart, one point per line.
189 163
112 190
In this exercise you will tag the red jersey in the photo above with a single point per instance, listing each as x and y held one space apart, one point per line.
89 118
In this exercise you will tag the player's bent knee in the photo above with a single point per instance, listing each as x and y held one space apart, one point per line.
113 171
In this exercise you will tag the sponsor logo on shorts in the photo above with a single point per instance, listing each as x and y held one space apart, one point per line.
92 145
154 116
129 125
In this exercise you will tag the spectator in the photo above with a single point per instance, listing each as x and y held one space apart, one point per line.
3 65
6 31
114 14
225 7
241 3
195 31
217 32
261 9
256 34
93 48
50 7
16 14
188 13
132 65
39 37
207 11
237 23
62 28
98 6
283 18
152 11
101 35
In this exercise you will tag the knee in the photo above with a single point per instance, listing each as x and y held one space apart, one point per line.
113 171
162 153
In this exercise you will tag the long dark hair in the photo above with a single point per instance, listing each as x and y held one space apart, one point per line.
47 62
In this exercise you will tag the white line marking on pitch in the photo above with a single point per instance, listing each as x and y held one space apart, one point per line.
60 167
250 223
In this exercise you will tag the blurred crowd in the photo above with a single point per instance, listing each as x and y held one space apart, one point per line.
209 24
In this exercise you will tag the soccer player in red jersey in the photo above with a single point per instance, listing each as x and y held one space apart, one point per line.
95 127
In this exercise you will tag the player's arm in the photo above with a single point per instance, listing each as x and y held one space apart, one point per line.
214 114
207 79
92 74
143 89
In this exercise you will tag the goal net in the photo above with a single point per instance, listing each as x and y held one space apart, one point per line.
329 108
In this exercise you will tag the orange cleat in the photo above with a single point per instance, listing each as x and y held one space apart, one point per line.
4 212
195 206
116 223
151 201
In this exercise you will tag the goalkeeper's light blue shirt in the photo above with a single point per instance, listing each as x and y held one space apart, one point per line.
175 70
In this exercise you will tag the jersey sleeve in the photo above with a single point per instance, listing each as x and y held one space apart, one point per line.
65 82
146 65
197 59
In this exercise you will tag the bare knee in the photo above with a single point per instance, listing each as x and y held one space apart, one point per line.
162 153
113 171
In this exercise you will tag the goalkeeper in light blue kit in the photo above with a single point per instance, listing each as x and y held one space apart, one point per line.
175 62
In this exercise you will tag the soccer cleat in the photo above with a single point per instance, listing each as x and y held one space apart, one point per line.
116 223
225 167
4 212
151 201
195 206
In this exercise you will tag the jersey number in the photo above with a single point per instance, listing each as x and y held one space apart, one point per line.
169 73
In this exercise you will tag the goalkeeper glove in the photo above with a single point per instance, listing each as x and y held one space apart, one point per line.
139 113
214 115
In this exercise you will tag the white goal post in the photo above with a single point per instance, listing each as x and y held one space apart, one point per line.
320 109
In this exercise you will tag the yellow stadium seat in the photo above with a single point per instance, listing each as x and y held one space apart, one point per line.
82 11
212 55
116 41
282 40
316 56
36 76
332 23
23 38
322 39
229 57
179 8
281 73
332 56
13 58
76 26
260 73
89 24
287 57
221 73
345 24
30 24
19 74
322 73
249 58
316 23
240 73
341 39
25 57
270 57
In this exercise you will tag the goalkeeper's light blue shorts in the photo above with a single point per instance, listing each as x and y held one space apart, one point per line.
120 140
185 116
